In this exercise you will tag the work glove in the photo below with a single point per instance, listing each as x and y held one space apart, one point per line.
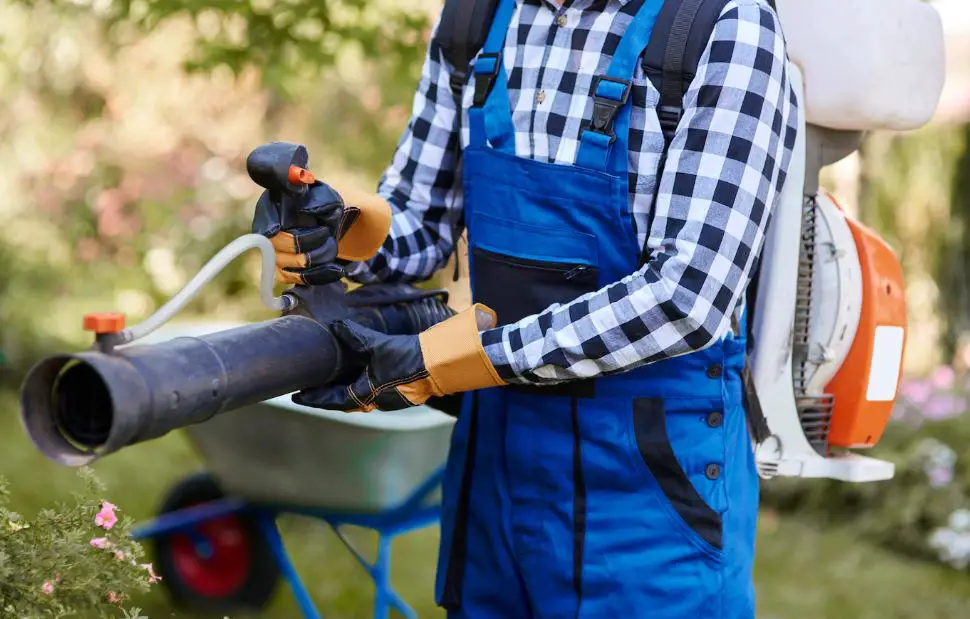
394 372
333 228
398 308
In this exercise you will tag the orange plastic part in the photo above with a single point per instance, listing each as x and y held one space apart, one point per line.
104 322
858 421
300 176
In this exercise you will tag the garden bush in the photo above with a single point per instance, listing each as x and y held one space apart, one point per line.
924 511
70 560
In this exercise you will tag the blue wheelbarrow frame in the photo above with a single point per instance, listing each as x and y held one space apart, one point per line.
410 515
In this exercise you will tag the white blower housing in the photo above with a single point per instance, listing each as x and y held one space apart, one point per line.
830 315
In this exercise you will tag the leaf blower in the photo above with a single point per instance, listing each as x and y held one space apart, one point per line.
829 315
82 406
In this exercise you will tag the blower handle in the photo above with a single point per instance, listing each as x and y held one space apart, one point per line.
281 169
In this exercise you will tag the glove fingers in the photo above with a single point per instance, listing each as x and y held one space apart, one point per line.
324 254
319 276
306 240
289 277
337 397
352 338
323 203
331 398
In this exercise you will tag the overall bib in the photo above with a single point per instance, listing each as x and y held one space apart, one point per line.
630 495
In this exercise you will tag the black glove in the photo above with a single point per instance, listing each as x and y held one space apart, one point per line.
307 253
316 228
391 372
398 309
402 309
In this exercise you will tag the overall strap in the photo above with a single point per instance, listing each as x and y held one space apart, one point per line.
603 145
490 117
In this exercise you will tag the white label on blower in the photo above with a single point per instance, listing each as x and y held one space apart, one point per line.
887 357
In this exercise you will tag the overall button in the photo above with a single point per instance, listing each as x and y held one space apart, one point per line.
562 20
712 471
714 419
714 370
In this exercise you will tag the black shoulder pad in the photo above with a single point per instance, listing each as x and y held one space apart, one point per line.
462 30
698 37
679 38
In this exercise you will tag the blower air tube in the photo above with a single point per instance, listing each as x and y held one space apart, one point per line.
79 407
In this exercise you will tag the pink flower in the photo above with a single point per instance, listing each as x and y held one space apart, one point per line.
100 542
943 407
120 556
942 377
115 598
152 576
106 517
940 476
47 588
916 391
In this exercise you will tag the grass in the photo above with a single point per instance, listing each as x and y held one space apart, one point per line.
801 572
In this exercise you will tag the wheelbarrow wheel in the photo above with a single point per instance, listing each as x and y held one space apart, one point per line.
222 565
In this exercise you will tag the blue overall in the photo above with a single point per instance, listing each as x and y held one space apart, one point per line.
630 495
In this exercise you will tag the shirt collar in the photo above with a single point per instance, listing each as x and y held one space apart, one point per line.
557 4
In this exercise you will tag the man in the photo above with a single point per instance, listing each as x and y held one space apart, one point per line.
601 465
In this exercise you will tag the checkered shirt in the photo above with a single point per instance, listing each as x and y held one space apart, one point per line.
724 171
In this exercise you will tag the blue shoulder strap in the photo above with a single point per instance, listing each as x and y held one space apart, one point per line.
490 117
603 145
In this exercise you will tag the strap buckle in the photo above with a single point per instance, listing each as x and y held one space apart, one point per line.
485 76
457 83
606 105
669 116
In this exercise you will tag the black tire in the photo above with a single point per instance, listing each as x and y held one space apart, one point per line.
241 573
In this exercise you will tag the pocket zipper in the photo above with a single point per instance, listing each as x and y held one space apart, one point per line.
569 271
576 272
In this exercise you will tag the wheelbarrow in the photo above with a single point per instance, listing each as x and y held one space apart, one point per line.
216 541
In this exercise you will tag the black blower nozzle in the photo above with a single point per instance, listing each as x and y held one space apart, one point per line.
79 407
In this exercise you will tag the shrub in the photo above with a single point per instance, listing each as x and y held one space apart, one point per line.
71 559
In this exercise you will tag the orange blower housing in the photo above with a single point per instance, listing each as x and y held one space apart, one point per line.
865 385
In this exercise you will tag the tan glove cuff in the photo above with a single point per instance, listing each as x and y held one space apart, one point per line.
453 352
367 221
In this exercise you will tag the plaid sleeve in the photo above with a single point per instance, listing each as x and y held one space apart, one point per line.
725 168
421 184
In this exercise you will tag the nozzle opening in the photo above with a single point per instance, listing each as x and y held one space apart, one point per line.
81 406
67 410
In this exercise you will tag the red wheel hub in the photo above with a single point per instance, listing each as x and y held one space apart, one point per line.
214 559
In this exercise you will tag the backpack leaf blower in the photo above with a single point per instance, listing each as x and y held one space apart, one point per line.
829 320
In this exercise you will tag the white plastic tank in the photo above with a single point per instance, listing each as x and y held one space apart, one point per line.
867 64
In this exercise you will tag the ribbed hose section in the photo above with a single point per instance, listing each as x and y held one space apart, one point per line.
814 410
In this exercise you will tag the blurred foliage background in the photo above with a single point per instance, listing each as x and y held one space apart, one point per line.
124 128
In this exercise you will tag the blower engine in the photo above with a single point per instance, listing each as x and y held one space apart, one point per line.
829 317
830 314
